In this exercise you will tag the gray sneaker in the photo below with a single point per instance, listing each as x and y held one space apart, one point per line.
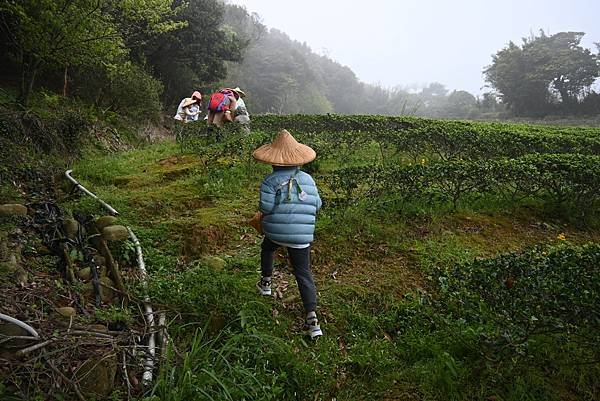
311 326
264 286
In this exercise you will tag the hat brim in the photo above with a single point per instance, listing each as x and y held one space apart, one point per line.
188 102
296 156
240 92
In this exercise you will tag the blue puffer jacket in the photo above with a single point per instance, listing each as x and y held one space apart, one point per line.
289 217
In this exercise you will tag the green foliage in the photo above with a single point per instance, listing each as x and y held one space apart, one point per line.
420 138
450 161
519 312
193 57
70 34
114 314
543 291
233 366
461 104
526 76
45 33
514 315
133 92
567 181
24 136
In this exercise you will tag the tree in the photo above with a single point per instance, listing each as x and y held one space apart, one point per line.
433 100
489 102
195 56
571 67
526 77
460 104
71 33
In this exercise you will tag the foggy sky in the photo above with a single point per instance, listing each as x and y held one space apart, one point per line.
405 42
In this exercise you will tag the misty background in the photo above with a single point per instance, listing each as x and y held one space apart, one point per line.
451 60
426 58
413 43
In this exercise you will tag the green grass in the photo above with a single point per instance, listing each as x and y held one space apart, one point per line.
372 269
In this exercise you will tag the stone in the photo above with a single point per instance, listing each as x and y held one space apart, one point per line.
106 289
66 311
13 209
71 227
106 292
214 262
11 329
115 233
43 250
21 277
85 273
99 260
11 264
98 327
105 221
96 376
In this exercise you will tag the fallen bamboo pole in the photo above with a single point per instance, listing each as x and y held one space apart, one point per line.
35 347
112 266
83 189
149 314
19 323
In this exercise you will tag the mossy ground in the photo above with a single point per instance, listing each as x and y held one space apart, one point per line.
365 266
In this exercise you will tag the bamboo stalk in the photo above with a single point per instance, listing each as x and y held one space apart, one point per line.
83 189
149 314
21 324
69 265
110 263
34 347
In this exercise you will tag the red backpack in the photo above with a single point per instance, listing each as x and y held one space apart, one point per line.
219 101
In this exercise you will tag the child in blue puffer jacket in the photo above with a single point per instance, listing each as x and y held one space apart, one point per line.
289 201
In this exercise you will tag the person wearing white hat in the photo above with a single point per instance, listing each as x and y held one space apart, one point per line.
289 202
241 115
189 108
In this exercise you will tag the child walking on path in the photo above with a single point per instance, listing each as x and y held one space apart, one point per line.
289 201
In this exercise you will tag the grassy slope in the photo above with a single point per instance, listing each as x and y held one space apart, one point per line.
241 345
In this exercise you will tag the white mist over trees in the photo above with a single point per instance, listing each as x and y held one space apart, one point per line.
548 75
115 53
284 76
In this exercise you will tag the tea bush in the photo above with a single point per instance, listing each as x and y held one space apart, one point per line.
443 139
564 180
528 315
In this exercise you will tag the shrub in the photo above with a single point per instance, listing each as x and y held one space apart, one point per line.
569 181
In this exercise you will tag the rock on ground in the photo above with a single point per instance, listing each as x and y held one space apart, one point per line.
115 233
105 221
13 209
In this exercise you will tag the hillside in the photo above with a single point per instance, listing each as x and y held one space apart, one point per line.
444 270
453 259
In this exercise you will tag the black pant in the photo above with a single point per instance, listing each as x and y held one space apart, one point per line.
300 259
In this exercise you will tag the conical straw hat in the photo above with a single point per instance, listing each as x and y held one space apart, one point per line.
239 91
188 101
284 151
